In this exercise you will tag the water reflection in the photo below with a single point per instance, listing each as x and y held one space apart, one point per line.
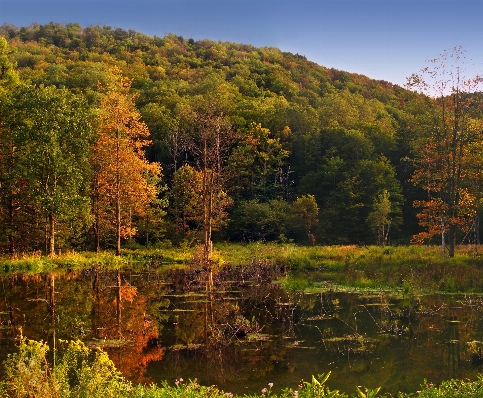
246 331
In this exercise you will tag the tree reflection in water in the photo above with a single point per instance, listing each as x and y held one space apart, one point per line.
243 330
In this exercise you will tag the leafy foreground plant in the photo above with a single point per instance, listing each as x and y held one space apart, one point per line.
82 372
78 373
449 388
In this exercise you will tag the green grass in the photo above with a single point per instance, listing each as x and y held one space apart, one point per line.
35 263
403 268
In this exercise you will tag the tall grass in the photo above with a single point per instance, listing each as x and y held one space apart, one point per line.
415 268
36 263
403 267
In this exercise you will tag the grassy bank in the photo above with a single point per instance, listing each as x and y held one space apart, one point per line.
405 268
35 262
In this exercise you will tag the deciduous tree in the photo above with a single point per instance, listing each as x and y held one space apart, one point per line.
379 219
443 155
125 183
256 162
211 136
305 211
9 187
49 133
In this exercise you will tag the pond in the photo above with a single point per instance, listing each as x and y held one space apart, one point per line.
246 330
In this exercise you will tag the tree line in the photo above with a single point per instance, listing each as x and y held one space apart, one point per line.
111 136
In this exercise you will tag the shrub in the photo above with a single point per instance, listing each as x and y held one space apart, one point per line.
79 372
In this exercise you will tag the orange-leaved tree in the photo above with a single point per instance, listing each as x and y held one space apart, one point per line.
124 183
448 157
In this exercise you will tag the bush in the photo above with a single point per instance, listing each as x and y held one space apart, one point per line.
80 372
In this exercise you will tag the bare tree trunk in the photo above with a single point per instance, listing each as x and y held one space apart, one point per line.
443 250
119 297
386 235
51 234
118 198
95 209
46 236
477 228
118 226
207 189
11 235
97 235
147 229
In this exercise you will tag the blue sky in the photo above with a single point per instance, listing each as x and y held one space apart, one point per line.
383 39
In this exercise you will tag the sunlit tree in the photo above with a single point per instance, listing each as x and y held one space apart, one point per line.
125 183
379 218
9 187
446 152
49 132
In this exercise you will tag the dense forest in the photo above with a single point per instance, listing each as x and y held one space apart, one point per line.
110 136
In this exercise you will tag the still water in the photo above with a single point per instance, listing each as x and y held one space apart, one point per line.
246 330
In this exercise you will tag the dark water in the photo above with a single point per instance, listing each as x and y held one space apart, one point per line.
247 331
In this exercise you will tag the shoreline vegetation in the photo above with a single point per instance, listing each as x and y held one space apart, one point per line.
81 371
111 135
418 269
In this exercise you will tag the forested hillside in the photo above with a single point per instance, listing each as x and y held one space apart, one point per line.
111 135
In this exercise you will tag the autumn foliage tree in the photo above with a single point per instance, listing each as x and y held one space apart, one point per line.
124 183
449 156
303 129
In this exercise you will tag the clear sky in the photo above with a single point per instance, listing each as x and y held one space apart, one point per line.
383 39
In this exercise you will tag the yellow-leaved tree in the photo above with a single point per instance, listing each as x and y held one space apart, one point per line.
125 183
